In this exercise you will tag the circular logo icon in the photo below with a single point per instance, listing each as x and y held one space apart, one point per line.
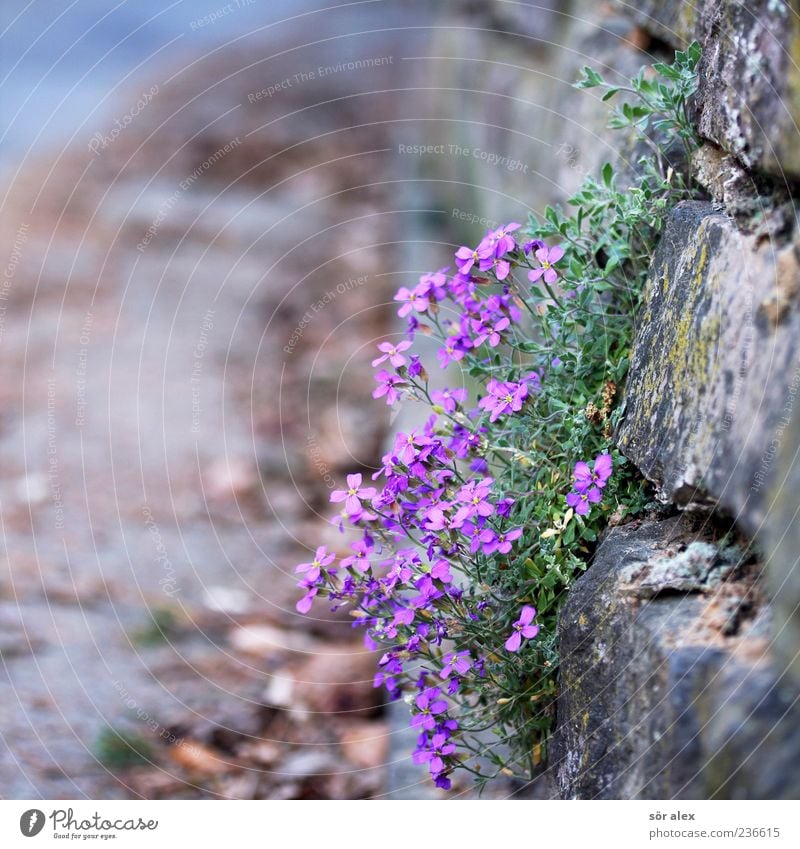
31 822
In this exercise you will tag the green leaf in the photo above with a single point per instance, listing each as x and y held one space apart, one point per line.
590 79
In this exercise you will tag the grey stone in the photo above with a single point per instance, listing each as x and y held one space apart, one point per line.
660 699
749 96
714 364
697 568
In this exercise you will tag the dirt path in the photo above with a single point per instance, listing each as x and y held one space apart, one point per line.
185 313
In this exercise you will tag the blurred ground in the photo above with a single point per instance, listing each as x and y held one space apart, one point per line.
187 316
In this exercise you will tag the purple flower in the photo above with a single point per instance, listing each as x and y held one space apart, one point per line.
499 542
501 268
503 398
360 558
454 349
314 569
412 299
486 327
436 518
352 495
404 616
393 353
427 592
304 605
408 445
522 628
458 662
415 368
467 257
433 285
429 706
547 258
473 531
586 477
433 753
387 385
504 507
501 239
474 496
441 572
580 501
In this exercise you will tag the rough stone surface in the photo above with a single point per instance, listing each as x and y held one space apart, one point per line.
661 697
748 101
749 96
698 568
756 202
714 365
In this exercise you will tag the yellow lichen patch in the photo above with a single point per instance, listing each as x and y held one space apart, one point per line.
690 356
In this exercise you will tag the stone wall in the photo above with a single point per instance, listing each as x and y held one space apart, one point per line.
679 649
679 645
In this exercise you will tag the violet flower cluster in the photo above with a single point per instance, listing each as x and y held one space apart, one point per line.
589 483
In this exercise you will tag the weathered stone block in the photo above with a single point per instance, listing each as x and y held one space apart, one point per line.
668 695
715 364
749 97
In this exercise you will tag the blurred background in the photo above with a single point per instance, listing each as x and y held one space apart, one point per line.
182 184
